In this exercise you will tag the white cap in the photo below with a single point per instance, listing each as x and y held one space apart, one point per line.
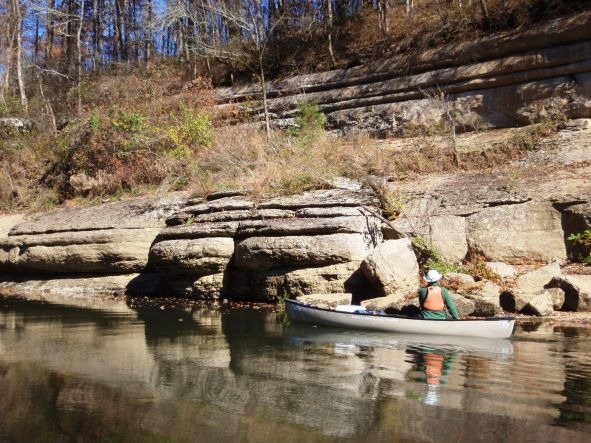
432 276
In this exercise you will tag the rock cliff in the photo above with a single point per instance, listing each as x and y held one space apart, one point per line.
498 81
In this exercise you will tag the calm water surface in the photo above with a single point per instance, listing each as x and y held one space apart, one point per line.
198 374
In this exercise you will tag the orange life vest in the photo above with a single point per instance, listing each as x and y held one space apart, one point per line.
434 300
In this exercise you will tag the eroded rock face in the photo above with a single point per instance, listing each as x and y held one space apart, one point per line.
200 256
264 253
295 245
109 238
499 81
514 232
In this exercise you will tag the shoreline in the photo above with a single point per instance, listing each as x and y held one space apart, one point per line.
117 302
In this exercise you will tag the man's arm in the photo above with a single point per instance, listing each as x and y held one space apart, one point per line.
450 304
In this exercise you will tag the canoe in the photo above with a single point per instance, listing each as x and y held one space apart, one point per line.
492 327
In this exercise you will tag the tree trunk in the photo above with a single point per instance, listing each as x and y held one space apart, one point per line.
50 32
383 16
484 8
409 6
79 57
47 105
18 21
264 92
329 23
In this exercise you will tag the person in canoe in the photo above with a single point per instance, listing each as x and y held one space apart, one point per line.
434 300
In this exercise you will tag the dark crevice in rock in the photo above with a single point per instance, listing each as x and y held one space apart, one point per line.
507 301
507 202
571 295
573 222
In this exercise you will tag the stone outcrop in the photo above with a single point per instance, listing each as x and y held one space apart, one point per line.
233 247
110 238
498 81
519 213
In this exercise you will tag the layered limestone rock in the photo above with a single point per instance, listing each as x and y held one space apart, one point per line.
230 246
498 81
110 238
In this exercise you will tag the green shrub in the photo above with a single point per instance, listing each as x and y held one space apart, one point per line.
191 129
310 120
430 258
94 121
584 239
128 121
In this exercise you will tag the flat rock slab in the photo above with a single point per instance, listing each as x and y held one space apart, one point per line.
311 226
125 214
263 253
58 289
108 251
7 222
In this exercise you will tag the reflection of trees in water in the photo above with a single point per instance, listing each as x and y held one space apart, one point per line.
575 411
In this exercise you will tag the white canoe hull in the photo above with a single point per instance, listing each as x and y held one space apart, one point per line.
496 327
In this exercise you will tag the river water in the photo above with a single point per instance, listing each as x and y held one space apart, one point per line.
201 374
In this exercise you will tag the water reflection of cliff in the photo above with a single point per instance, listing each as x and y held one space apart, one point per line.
186 372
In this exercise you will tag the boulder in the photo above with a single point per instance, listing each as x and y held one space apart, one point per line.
516 233
200 256
341 278
448 236
577 289
536 280
108 238
464 306
486 299
326 300
13 125
392 268
540 304
459 278
264 253
210 286
558 298
503 270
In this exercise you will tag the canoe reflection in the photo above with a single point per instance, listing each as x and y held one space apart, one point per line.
298 334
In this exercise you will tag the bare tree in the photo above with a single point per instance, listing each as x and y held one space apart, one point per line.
329 27
15 51
409 6
79 58
384 23
246 45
